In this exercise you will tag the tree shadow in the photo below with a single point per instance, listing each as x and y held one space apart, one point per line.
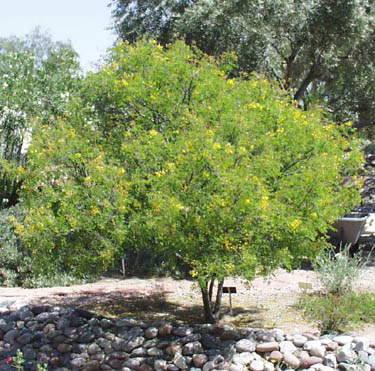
154 308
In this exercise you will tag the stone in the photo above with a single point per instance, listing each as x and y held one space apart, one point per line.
160 364
299 340
192 348
92 365
310 361
291 360
362 345
287 347
278 334
210 342
199 360
25 338
64 348
165 330
132 363
174 348
154 352
315 348
93 349
276 356
135 343
230 334
234 367
332 346
265 336
330 361
209 366
343 339
29 353
256 366
371 361
345 355
151 333
11 336
362 356
269 366
245 345
180 361
243 358
267 347
182 331
77 362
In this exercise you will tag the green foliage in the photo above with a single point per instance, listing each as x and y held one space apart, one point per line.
18 361
319 50
12 257
37 78
337 313
337 272
164 152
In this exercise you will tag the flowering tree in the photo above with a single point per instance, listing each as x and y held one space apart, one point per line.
225 175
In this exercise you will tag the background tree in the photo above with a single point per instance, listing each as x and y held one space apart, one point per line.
224 175
317 49
37 76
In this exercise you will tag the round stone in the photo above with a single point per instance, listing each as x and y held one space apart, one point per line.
267 347
199 360
256 366
291 360
245 345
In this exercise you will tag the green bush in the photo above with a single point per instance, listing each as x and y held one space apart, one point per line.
337 271
13 261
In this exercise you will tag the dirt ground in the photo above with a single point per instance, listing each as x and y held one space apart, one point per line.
264 303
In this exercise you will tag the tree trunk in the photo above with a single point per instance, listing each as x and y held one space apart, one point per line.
212 314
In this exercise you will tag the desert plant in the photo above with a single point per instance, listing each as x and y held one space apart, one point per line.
337 272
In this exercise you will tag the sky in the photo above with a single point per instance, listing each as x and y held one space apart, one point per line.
84 22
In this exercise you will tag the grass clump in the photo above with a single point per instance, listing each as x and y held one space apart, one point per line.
337 307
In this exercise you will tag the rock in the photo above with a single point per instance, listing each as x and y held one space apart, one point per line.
173 349
330 361
180 361
165 330
199 360
243 358
291 360
192 348
211 342
77 362
299 340
276 356
371 361
151 333
345 355
230 334
209 366
25 338
343 339
160 364
11 336
245 345
256 366
154 352
64 348
91 366
362 345
265 336
315 348
310 361
287 347
267 347
332 346
135 343
269 366
182 331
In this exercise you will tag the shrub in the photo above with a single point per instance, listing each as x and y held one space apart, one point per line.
337 272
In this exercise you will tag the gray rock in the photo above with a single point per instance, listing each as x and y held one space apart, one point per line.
343 339
183 331
315 348
209 366
165 330
265 336
345 355
330 361
362 345
135 343
77 362
92 365
371 361
160 364
25 338
151 333
267 347
192 348
299 340
199 360
64 348
291 360
256 365
230 334
180 361
93 349
11 336
243 358
154 352
211 342
287 347
245 345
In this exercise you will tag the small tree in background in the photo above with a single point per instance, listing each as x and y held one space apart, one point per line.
224 175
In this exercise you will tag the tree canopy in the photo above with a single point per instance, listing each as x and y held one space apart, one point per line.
318 50
37 76
163 151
